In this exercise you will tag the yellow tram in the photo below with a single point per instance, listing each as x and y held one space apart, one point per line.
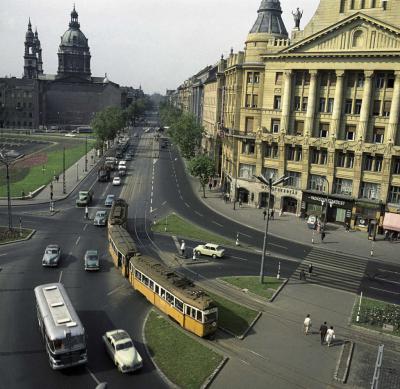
175 295
119 213
121 247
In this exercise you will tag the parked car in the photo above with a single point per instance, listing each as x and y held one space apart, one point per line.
109 200
122 351
128 157
52 255
91 259
116 181
100 218
210 249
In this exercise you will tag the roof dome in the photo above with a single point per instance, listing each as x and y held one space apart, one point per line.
74 37
269 19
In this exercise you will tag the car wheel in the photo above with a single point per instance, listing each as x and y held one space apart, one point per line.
198 253
214 256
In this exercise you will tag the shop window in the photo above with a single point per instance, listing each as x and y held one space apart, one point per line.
370 191
357 106
299 127
247 171
297 103
394 195
378 135
275 125
376 108
277 102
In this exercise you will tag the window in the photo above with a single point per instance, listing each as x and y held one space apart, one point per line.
322 102
290 152
347 106
350 132
138 275
324 78
277 102
376 109
256 78
351 79
271 150
329 107
396 165
270 173
299 127
255 101
169 298
179 305
297 103
390 81
349 160
386 108
323 130
378 164
357 106
319 157
248 147
298 78
304 104
368 162
278 78
275 125
316 183
294 180
342 186
248 100
249 78
380 80
394 194
340 159
247 171
378 135
360 76
249 124
370 191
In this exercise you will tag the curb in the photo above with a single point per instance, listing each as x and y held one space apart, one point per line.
271 300
169 383
343 379
20 240
210 378
360 329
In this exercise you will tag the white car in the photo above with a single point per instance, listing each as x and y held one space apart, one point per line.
116 181
210 249
120 347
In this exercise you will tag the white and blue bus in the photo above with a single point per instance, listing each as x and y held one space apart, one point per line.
62 331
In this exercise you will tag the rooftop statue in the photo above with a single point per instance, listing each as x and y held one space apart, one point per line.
297 15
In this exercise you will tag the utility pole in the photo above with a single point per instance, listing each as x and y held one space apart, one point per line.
86 153
64 179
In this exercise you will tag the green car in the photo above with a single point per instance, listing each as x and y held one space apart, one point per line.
85 197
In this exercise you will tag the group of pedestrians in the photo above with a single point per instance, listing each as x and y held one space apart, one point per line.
302 274
327 334
271 214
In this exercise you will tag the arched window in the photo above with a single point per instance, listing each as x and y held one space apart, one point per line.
358 39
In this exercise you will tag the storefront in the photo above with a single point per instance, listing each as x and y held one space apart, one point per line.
367 214
282 199
339 207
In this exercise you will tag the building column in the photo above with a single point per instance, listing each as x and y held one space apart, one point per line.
366 104
394 110
286 100
337 104
312 92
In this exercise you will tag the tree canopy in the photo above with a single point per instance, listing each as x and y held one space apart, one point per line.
107 123
203 168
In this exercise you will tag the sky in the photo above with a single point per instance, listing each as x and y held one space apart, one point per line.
153 43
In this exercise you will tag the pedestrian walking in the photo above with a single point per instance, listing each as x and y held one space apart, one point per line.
210 185
307 324
310 270
272 214
183 247
323 330
347 226
264 213
302 275
330 336
322 235
215 183
86 213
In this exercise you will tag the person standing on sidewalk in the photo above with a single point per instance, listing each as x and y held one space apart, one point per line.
330 336
86 213
322 235
210 185
183 247
323 330
307 324
310 270
264 213
272 214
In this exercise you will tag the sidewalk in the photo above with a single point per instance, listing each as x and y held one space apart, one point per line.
293 228
73 177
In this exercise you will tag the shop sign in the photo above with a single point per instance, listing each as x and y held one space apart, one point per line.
330 201
285 191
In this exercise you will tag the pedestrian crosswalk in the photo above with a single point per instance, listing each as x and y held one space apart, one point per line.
335 270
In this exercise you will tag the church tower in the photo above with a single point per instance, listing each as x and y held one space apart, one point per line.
33 64
74 53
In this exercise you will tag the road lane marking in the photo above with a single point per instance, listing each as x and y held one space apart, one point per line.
59 278
77 241
115 290
241 259
187 205
245 362
93 376
2 255
84 227
388 271
198 213
383 290
163 203
241 233
217 224
386 280
278 245
259 355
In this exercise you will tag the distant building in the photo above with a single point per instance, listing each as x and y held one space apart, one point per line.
69 98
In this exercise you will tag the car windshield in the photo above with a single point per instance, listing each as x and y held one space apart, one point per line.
92 257
110 197
125 345
51 251
82 195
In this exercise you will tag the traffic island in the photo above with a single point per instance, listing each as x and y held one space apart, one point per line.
182 359
14 235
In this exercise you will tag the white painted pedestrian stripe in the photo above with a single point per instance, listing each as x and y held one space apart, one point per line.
278 245
245 362
84 227
2 255
198 213
384 290
386 280
335 269
77 241
187 205
259 355
388 271
164 203
241 233
93 376
240 259
115 290
220 225
59 278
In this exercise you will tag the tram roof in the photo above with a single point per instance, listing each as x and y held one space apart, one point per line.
123 240
180 286
119 212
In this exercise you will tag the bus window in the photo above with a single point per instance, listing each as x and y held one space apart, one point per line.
145 280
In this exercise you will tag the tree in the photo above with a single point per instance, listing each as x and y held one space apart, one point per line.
203 168
137 109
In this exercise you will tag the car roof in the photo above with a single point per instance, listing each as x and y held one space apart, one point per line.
91 252
110 195
52 246
118 335
211 245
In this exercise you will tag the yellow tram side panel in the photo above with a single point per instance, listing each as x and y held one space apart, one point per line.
114 256
146 292
194 326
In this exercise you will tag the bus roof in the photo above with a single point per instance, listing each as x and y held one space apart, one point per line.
57 311
178 285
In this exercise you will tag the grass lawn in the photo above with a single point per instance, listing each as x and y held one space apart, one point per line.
232 316
9 236
39 168
185 361
181 227
374 313
267 289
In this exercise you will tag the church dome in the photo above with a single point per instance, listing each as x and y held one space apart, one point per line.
74 37
269 19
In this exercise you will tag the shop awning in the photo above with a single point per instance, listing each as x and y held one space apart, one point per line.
391 221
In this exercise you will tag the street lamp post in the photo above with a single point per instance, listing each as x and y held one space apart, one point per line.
327 201
7 163
270 184
86 160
